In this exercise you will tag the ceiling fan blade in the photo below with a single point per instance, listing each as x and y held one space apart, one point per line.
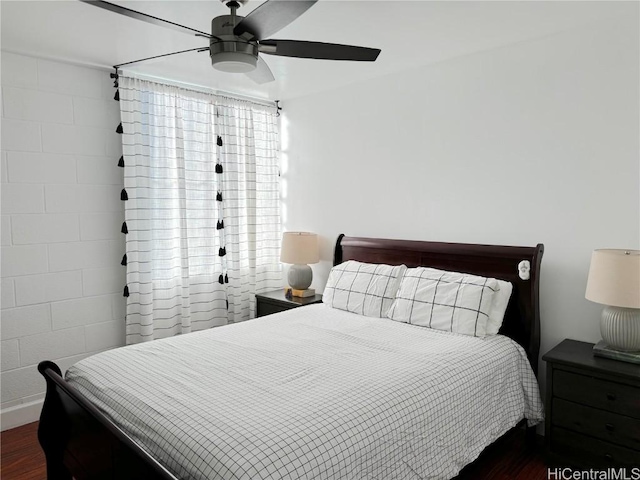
318 50
127 12
262 73
199 49
271 16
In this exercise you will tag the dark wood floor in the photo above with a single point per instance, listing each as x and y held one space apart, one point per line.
21 454
509 459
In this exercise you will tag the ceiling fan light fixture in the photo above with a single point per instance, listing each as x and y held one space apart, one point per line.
234 62
235 42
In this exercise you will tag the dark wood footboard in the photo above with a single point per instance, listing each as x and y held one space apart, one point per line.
79 441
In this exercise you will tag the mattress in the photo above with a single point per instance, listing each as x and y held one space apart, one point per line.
314 393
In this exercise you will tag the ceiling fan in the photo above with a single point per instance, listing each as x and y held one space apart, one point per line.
235 42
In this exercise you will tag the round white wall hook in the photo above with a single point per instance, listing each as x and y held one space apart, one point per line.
524 267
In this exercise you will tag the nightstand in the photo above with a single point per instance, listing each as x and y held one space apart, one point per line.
592 408
275 301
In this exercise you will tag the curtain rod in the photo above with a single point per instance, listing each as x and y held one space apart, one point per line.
187 86
202 89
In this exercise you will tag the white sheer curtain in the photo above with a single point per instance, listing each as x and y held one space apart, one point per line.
201 179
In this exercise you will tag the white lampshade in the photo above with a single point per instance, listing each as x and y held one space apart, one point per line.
300 248
614 278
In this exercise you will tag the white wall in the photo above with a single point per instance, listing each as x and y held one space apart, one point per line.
61 216
535 142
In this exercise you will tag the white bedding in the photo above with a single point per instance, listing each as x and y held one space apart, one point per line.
317 393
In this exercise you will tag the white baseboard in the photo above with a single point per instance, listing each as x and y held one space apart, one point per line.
20 415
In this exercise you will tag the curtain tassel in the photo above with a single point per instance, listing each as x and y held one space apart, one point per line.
222 252
221 279
121 161
218 168
124 228
219 197
115 77
117 96
126 291
219 141
226 278
119 129
123 195
124 260
220 225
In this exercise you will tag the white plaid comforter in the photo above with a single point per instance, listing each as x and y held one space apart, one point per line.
314 393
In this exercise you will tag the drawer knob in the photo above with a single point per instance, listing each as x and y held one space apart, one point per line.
609 427
611 396
608 457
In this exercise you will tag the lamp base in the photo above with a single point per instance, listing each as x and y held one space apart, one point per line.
620 328
300 277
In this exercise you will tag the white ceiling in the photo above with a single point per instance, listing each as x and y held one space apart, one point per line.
410 34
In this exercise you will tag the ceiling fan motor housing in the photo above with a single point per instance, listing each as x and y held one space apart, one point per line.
235 42
230 53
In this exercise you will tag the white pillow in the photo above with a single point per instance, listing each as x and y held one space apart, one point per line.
499 307
364 288
450 301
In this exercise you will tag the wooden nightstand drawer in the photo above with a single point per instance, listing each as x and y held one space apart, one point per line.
604 425
589 451
611 396
265 308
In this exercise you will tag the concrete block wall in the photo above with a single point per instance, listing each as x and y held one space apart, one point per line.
61 215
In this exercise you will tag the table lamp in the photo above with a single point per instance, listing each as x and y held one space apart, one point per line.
300 249
614 281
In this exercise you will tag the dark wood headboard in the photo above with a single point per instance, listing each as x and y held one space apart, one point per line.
522 318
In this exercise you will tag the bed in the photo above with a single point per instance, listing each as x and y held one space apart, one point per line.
287 406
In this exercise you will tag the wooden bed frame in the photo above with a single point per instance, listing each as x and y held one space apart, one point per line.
81 442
